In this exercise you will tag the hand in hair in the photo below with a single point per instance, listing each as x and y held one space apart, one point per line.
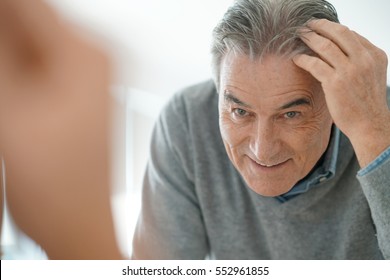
352 72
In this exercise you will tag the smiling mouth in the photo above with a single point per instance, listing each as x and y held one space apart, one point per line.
269 165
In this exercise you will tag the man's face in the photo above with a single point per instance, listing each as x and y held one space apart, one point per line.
274 121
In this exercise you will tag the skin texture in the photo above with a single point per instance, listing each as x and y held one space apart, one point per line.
274 121
352 73
54 123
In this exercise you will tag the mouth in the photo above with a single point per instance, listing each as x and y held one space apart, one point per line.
269 165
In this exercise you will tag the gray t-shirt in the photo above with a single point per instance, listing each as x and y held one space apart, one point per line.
196 205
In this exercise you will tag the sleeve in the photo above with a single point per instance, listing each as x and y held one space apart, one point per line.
375 182
170 224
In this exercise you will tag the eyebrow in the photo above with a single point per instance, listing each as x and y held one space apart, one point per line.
231 98
296 102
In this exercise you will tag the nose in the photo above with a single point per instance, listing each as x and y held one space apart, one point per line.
265 142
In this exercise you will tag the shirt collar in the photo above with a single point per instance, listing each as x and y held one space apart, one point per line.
322 173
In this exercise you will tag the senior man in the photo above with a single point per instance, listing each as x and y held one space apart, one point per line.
285 155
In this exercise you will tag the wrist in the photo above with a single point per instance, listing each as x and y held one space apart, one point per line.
371 141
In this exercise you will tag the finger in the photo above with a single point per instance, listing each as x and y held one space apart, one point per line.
325 48
319 69
341 35
364 41
378 53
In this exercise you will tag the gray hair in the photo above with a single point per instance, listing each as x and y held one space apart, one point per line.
260 27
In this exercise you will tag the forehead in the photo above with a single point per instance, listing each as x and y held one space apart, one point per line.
272 76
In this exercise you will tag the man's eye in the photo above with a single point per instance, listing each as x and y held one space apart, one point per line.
240 112
291 115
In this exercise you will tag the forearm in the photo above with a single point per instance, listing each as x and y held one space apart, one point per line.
374 180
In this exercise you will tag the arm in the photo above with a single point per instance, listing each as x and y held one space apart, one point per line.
352 73
170 225
375 184
374 180
54 108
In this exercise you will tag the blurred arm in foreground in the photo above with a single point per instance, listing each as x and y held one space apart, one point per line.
54 123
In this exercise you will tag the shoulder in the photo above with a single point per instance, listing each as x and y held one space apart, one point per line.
194 103
194 96
187 121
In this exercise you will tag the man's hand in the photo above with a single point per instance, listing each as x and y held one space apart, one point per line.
54 123
352 72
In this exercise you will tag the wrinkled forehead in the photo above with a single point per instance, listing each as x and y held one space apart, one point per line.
270 76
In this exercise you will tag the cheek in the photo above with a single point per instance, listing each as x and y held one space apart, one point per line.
233 135
310 141
228 131
226 125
